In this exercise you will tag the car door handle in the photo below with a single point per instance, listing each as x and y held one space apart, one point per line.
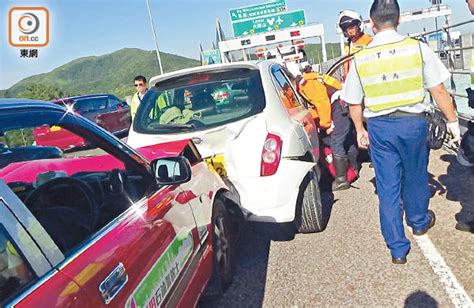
113 283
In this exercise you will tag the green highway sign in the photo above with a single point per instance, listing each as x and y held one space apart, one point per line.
258 10
212 56
269 23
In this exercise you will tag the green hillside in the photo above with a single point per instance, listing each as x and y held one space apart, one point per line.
314 51
111 73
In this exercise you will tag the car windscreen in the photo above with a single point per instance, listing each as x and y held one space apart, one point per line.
199 101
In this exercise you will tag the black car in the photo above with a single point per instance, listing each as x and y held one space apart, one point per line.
17 154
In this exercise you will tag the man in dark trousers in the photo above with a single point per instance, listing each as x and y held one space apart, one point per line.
390 75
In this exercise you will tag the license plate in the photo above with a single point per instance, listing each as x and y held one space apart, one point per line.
54 128
218 163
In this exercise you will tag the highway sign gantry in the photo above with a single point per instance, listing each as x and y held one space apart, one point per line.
269 23
258 10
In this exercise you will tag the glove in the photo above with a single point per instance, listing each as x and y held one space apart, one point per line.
330 129
454 131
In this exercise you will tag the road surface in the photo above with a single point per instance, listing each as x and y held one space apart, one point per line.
349 265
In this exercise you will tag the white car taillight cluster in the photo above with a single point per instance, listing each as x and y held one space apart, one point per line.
271 155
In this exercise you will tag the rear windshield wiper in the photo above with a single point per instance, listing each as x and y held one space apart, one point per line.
171 126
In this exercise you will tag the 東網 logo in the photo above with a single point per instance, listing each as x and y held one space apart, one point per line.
28 26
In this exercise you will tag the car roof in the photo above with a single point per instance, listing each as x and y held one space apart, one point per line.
209 68
59 100
22 103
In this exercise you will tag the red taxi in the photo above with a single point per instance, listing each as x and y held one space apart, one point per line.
110 225
105 110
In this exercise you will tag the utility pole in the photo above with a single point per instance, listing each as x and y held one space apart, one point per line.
154 36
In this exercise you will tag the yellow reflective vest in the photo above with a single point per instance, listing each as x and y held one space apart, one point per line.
134 104
391 75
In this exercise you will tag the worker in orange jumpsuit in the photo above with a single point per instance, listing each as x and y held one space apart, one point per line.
314 91
318 90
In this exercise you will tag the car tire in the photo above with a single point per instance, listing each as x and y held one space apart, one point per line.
223 247
309 216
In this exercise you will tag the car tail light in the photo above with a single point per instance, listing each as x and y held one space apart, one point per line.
271 155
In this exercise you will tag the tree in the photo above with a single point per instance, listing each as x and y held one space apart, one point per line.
41 92
24 137
19 137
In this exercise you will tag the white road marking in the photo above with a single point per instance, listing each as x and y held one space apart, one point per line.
453 288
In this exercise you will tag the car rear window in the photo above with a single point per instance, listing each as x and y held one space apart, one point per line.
200 101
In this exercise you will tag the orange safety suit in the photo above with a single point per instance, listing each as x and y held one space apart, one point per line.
354 47
317 90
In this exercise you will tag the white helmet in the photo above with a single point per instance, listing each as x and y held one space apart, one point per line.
349 18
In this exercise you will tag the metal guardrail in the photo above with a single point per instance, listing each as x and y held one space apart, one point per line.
447 27
451 51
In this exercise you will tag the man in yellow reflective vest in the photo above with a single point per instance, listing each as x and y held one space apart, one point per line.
140 84
390 75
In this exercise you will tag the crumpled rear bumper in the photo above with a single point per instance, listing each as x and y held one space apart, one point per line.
273 198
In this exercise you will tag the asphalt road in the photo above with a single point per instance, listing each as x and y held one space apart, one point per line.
348 264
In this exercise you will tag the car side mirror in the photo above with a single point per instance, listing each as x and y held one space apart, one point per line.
172 170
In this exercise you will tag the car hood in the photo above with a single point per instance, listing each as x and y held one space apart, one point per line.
209 142
173 148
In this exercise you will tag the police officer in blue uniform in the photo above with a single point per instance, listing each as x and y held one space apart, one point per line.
389 77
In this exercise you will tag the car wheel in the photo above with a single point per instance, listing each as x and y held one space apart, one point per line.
223 248
309 210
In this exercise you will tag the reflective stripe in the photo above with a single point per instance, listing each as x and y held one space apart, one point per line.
404 99
398 63
401 74
394 87
384 52
391 75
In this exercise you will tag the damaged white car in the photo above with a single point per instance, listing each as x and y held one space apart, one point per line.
249 124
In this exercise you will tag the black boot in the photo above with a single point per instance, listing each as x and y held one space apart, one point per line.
340 182
352 155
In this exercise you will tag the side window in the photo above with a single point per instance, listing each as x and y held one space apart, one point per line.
285 91
113 102
84 106
98 187
15 273
99 103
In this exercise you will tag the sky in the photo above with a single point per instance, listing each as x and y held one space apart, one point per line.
82 28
